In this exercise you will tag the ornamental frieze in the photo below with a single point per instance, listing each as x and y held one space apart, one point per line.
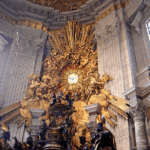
55 22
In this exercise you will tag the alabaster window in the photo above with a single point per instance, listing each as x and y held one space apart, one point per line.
148 28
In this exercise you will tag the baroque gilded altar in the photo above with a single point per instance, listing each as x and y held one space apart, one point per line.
71 69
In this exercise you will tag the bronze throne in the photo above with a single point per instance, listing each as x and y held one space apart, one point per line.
58 133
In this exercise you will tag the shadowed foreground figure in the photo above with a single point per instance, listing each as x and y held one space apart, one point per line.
53 101
23 146
103 139
83 145
5 136
42 130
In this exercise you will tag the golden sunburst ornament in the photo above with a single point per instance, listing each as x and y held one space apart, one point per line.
71 78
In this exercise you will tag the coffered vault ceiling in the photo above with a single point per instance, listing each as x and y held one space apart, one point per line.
62 5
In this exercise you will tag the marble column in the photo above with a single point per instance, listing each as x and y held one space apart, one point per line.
93 111
34 132
138 114
34 127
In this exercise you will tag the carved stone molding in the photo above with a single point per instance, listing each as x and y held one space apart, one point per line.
92 118
131 94
36 114
3 43
34 127
92 127
93 108
137 21
52 16
28 46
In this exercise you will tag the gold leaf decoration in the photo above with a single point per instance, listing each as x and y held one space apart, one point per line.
73 58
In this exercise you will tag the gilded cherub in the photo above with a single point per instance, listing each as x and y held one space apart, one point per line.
92 65
106 78
34 82
32 78
5 136
42 90
94 84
